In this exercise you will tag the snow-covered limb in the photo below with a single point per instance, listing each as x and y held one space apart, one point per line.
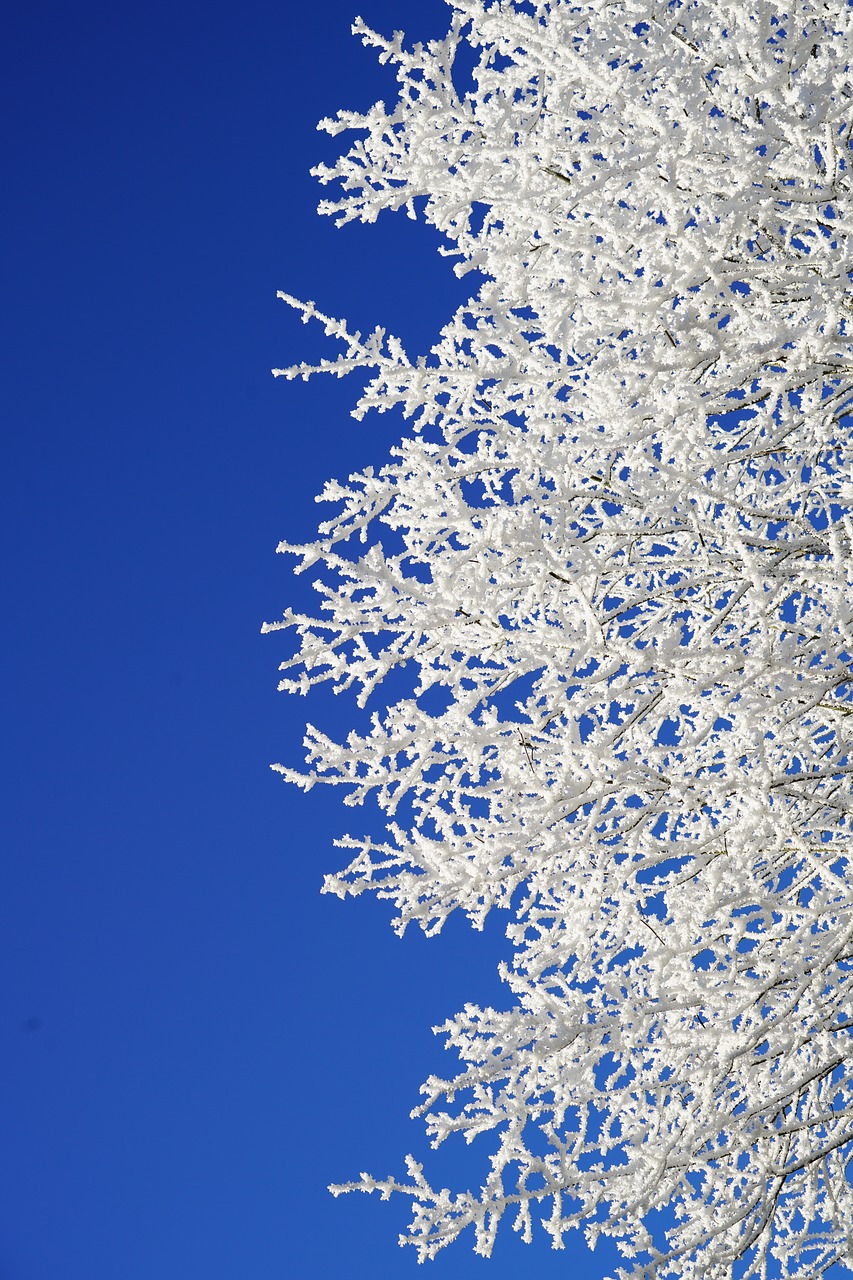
612 565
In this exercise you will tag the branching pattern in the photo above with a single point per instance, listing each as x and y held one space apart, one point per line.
599 607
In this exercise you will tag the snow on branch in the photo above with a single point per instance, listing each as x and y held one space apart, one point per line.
612 566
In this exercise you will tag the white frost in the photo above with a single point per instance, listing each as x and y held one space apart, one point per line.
613 560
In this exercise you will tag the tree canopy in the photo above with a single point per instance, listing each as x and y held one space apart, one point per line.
599 607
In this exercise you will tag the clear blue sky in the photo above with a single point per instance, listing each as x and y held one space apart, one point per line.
194 1042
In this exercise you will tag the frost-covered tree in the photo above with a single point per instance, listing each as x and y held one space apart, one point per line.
599 607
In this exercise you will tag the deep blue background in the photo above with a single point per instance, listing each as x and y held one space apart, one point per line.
193 1041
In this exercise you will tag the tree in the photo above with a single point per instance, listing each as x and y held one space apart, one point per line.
606 582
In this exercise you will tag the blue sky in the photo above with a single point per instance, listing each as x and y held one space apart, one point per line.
194 1041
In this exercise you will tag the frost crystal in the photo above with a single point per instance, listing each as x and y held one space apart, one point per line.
610 567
